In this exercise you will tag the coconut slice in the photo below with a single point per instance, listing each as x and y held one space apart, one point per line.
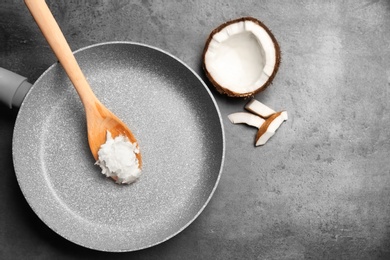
241 57
268 129
246 118
259 108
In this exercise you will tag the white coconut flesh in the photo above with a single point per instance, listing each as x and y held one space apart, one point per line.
241 57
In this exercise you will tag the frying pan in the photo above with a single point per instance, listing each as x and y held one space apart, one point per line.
179 129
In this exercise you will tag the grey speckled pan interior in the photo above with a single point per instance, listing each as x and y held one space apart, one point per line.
176 121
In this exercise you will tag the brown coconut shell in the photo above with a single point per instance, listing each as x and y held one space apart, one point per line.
226 91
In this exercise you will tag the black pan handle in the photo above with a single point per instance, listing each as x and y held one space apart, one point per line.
13 88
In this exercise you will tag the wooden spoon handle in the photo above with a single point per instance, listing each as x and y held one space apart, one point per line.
54 36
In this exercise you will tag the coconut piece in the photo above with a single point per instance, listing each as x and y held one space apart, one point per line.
246 118
241 57
268 129
259 108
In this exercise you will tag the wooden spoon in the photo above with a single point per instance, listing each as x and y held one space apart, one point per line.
99 118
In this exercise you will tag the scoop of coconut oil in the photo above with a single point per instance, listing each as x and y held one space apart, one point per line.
117 158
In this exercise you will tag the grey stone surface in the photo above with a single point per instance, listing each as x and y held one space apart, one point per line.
319 189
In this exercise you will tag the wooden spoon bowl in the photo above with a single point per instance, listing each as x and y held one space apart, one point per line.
99 121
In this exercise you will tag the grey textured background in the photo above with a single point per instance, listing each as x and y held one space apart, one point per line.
320 189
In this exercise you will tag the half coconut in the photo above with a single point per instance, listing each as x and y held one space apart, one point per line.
241 57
